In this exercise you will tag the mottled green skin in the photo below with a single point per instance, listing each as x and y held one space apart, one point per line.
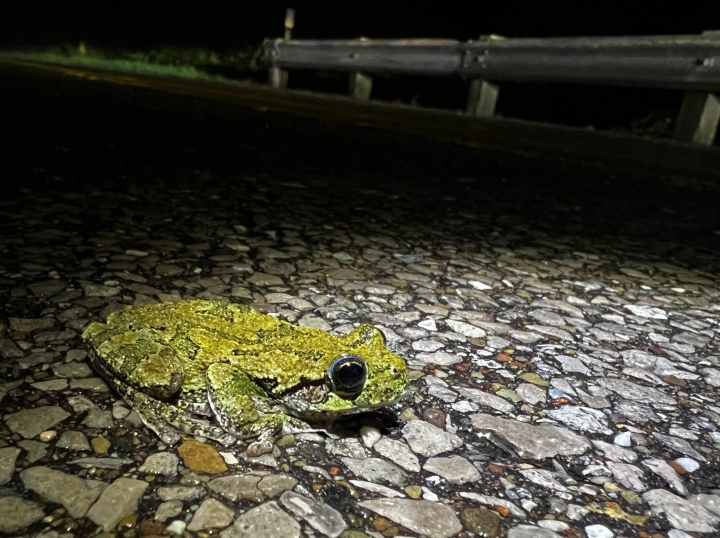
258 374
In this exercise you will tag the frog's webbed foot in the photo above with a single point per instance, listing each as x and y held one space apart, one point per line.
169 421
151 413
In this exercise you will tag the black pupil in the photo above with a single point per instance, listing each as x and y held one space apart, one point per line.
349 376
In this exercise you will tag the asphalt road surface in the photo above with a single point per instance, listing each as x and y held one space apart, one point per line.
560 322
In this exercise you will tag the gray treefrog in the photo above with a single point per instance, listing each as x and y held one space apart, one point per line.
256 375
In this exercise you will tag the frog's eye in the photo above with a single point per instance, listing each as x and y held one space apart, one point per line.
348 375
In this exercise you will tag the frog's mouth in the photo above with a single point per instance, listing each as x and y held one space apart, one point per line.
319 403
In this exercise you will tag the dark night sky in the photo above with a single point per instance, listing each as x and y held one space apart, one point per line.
145 24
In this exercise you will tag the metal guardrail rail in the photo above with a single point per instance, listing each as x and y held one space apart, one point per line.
682 62
674 62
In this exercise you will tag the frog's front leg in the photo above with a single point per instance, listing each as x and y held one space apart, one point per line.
243 408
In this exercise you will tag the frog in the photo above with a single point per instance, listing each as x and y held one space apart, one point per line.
227 372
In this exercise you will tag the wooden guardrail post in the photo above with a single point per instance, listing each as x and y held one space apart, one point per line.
277 77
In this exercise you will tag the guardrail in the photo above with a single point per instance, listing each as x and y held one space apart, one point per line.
683 62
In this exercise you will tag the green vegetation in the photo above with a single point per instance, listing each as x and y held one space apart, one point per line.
179 62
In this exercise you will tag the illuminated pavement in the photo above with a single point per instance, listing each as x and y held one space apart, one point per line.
560 323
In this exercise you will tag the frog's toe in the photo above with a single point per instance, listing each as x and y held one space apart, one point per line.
167 434
259 447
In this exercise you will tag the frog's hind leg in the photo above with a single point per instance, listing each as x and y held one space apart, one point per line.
143 359
168 421
173 418
243 409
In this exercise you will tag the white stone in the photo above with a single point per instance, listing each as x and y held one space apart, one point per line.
689 464
598 531
649 312
623 439
370 436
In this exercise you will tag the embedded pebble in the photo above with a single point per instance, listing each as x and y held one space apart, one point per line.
690 465
598 531
36 450
16 514
369 436
495 501
93 384
628 475
176 528
481 521
583 419
321 517
682 514
75 494
428 440
167 510
116 501
346 447
531 531
201 457
615 453
489 400
679 445
274 484
533 442
623 439
181 493
543 478
32 422
230 458
73 440
455 469
377 470
237 487
377 488
161 463
53 384
553 525
635 392
265 521
8 456
667 473
101 463
399 453
532 394
423 517
212 514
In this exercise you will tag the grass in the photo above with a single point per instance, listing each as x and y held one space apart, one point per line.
195 63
